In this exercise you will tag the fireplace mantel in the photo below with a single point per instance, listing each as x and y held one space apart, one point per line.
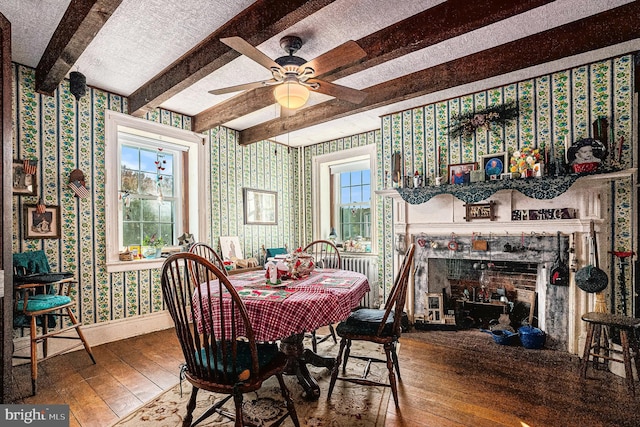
536 188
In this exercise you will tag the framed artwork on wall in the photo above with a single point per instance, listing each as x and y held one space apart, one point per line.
24 177
494 165
461 173
260 206
41 225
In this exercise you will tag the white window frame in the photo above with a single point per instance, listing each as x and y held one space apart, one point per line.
194 144
321 185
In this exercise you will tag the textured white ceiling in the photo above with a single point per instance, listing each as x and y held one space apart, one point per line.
144 37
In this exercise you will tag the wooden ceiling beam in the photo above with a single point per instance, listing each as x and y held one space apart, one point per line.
444 21
256 24
82 20
598 31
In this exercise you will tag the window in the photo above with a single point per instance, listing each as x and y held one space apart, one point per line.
342 197
151 188
153 174
354 205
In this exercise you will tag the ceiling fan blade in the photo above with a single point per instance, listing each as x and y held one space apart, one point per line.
245 86
345 93
344 54
240 45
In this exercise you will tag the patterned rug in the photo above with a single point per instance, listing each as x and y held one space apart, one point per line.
350 405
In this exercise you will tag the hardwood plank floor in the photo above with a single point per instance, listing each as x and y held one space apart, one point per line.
448 379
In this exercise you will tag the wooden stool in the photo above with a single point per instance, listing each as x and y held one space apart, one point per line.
602 350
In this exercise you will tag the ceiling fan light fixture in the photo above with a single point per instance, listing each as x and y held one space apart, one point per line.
291 94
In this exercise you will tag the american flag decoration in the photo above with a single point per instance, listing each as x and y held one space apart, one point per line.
76 183
79 189
41 207
30 166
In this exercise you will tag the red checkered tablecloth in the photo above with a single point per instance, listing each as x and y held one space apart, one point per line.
326 296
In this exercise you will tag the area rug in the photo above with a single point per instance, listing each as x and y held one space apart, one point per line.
350 404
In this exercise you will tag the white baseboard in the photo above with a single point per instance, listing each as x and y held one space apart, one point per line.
102 333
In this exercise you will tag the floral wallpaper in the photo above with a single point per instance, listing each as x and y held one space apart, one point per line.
551 107
64 135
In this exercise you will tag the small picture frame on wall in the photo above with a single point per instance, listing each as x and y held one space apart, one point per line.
41 225
24 177
461 173
494 165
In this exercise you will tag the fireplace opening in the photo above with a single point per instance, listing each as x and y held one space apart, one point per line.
478 293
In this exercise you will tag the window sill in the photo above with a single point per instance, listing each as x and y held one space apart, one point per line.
141 264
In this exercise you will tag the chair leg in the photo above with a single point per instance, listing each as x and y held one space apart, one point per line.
237 398
346 355
394 356
87 347
186 422
392 375
628 370
314 342
333 334
45 331
584 363
288 401
336 367
34 354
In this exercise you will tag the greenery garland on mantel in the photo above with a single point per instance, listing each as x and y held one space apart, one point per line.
467 123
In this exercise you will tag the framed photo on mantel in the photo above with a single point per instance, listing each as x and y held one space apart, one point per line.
494 165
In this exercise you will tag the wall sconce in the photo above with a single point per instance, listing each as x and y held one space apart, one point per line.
77 84
401 243
291 94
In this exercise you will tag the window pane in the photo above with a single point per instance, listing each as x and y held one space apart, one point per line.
356 178
133 212
131 234
166 231
148 161
166 211
150 210
149 230
129 158
129 180
167 164
149 184
166 184
366 176
356 194
345 195
366 193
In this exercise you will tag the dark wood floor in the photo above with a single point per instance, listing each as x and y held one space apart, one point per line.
448 379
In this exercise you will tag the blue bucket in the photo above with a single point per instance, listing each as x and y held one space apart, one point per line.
500 336
532 337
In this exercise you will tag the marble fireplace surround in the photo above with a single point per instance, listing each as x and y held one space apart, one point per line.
442 218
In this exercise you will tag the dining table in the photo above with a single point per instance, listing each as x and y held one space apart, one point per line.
286 311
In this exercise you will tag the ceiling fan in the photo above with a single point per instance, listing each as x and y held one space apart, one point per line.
293 76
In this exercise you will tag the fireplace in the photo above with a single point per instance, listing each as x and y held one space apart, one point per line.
450 266
514 238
